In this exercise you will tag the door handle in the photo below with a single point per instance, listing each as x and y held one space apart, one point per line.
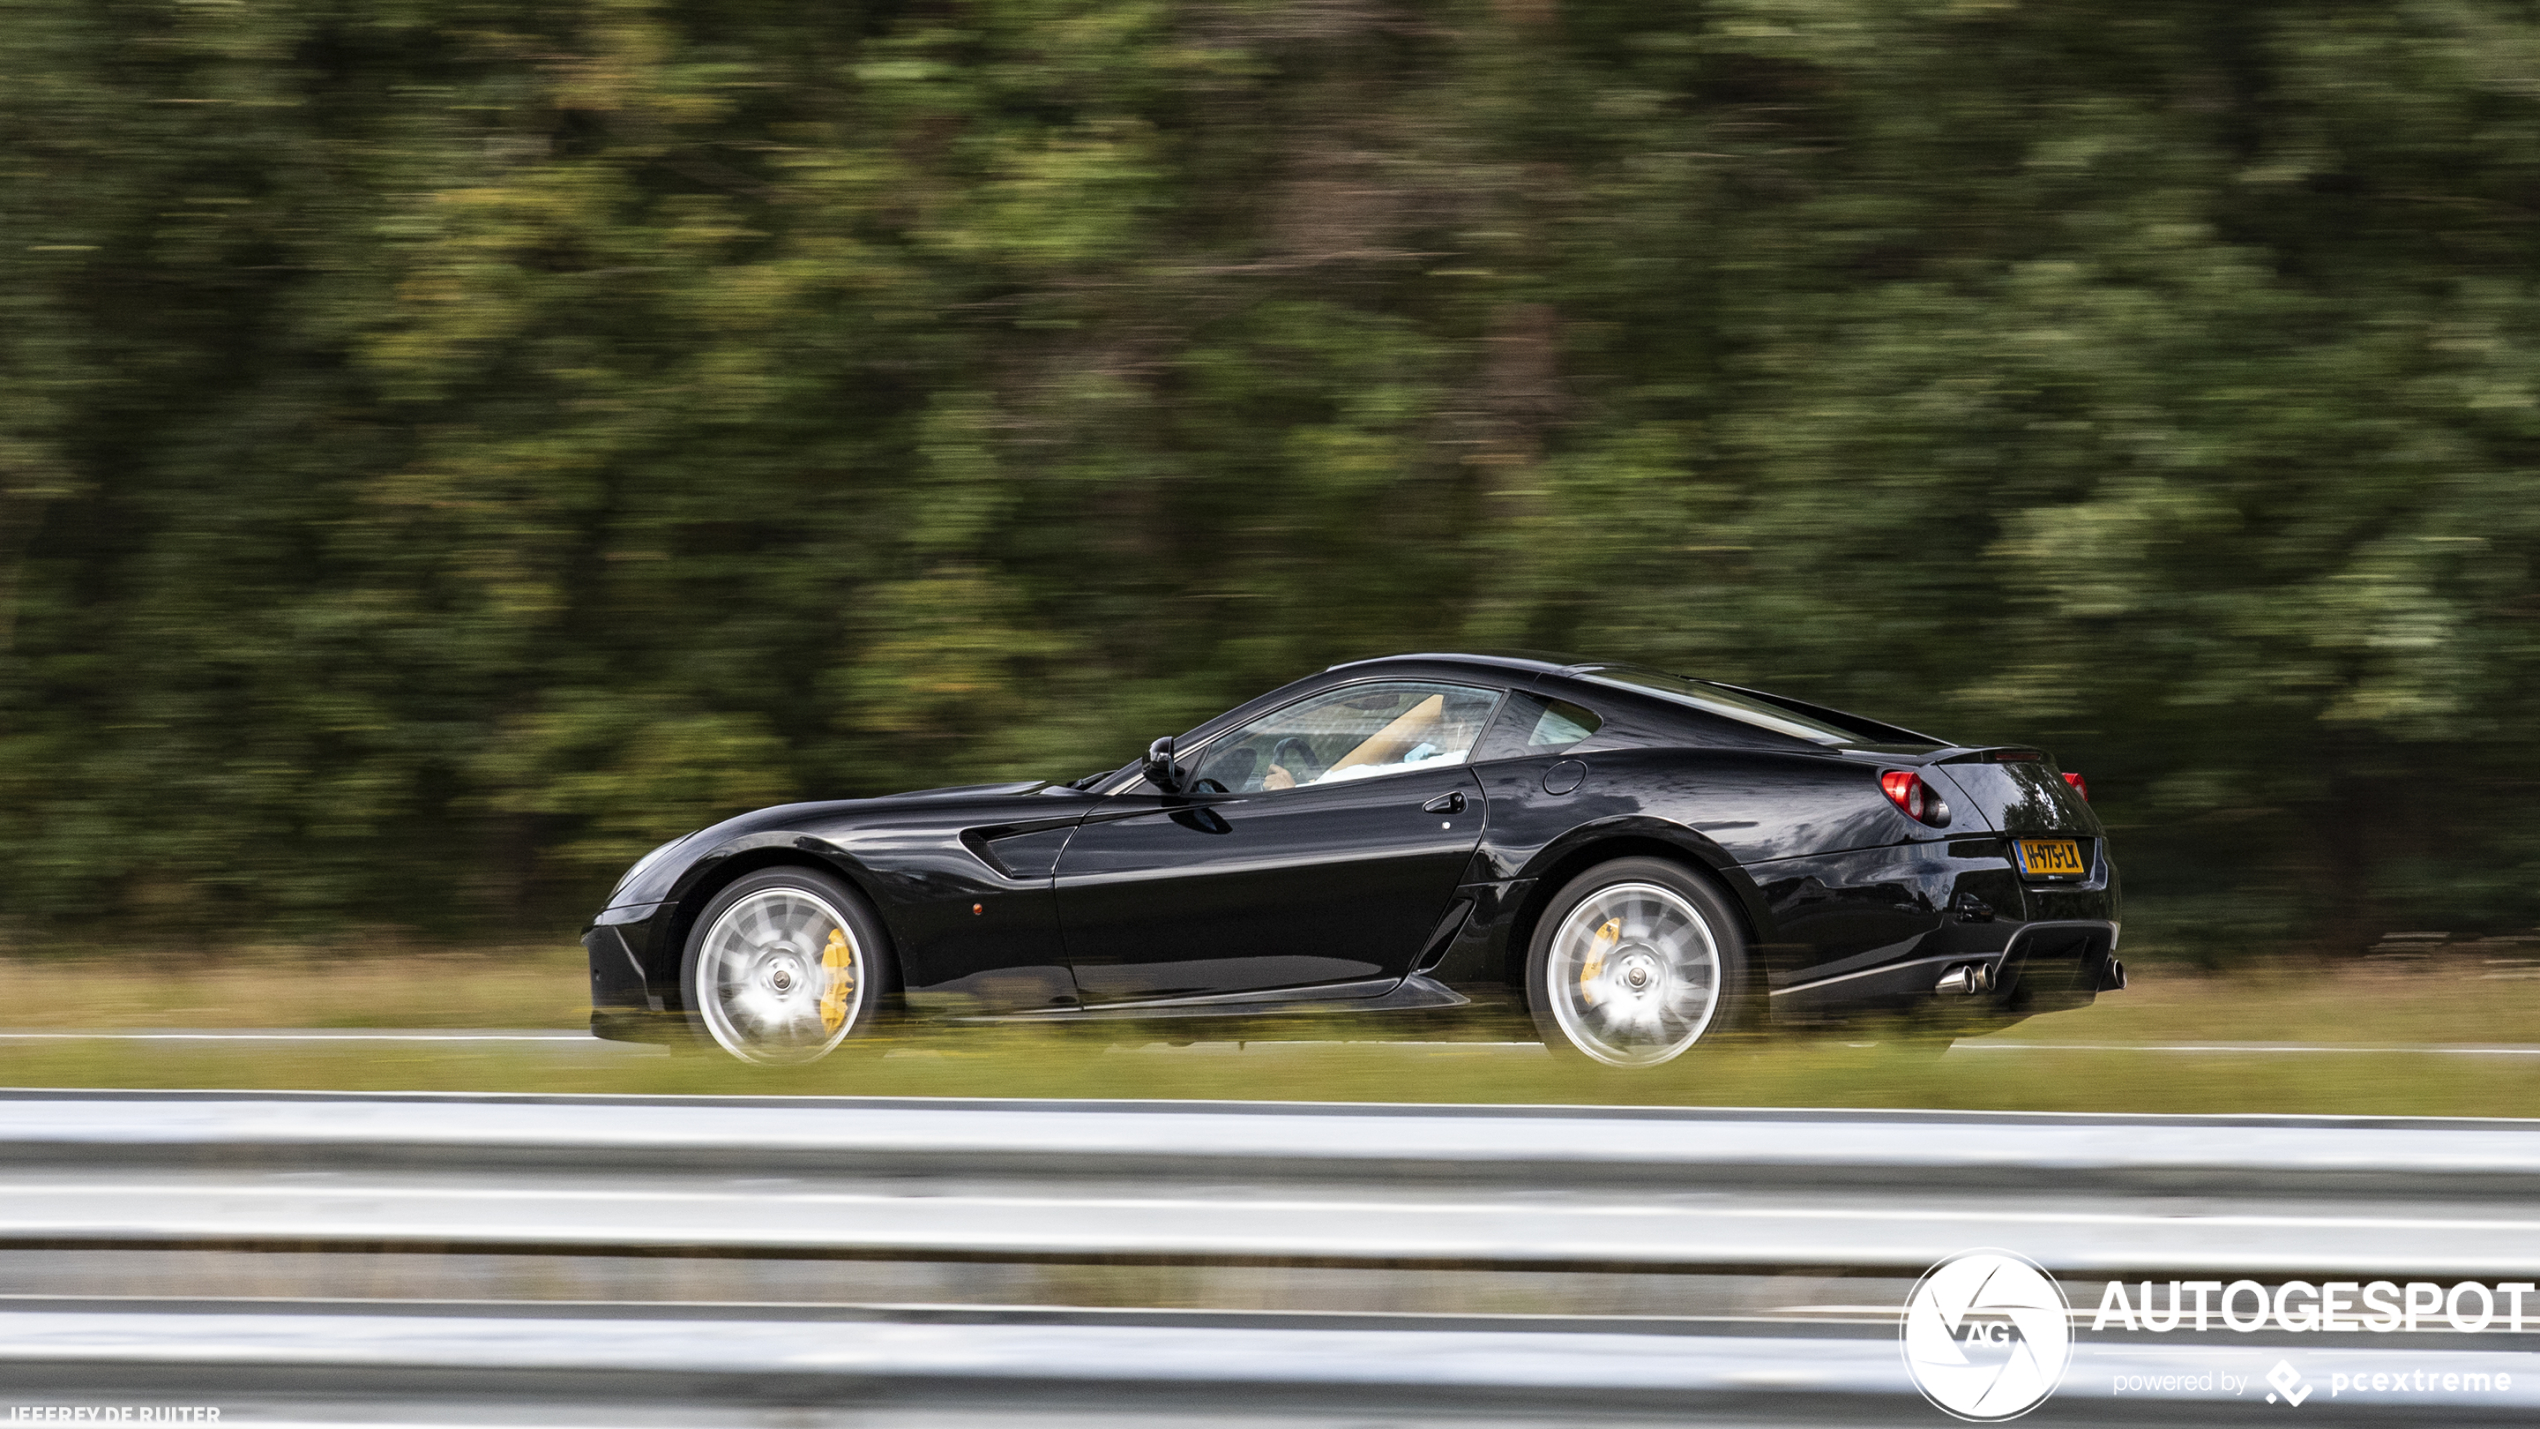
1445 804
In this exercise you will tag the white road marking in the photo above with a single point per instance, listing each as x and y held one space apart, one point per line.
544 1037
300 1034
2258 1049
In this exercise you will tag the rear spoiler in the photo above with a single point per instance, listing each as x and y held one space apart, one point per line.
1997 754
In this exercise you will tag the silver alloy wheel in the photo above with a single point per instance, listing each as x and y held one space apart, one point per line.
1634 975
780 977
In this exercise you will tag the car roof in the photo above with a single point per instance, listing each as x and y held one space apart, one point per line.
1527 662
1531 668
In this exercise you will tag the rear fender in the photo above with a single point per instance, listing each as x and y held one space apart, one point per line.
1624 837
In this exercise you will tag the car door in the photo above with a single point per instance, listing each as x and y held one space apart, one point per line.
1318 847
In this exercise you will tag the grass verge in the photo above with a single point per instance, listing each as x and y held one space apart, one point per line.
2428 1004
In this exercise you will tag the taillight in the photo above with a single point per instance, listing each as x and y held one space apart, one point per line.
1906 790
2080 785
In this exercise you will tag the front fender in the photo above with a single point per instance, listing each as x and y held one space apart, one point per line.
662 939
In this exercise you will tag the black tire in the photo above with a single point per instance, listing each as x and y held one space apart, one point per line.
1660 922
772 941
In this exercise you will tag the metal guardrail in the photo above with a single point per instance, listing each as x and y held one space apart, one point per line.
340 1367
1743 1194
1549 1187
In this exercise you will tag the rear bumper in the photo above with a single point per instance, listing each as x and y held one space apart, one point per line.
2049 967
1878 931
2039 967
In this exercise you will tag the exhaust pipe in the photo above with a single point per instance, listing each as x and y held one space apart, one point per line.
1967 979
2113 980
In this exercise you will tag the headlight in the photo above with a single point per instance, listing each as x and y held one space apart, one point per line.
641 864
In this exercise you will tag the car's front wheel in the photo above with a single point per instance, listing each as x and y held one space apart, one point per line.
784 966
1633 963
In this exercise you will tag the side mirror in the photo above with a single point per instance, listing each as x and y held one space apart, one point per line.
1160 769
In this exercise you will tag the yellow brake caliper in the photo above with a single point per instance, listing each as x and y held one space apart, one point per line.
838 960
1606 938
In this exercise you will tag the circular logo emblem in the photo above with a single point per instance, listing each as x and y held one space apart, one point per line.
1987 1335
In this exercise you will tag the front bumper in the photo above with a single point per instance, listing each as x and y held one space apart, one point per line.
629 988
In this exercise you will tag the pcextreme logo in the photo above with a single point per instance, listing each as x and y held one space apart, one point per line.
2289 1384
1987 1335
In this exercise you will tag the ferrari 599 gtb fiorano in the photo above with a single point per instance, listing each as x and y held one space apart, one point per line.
1645 863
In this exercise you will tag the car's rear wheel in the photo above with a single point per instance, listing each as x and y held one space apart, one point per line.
784 966
1634 963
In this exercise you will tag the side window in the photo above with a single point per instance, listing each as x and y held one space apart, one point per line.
1355 732
1532 724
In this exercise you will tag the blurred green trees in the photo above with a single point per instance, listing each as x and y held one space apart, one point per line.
450 446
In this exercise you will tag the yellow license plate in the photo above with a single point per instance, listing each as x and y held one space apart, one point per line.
2051 857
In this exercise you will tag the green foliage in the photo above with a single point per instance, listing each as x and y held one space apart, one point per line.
450 447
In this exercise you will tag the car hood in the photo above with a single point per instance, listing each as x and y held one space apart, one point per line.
661 871
831 811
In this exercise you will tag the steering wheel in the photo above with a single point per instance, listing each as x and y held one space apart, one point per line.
1304 768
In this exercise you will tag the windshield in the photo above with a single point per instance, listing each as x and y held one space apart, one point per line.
1726 703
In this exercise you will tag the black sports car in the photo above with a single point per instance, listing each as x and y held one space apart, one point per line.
1646 861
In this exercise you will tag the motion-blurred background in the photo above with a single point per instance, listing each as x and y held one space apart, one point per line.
448 448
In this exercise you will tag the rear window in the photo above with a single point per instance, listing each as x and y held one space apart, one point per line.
1726 703
1532 724
1561 725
